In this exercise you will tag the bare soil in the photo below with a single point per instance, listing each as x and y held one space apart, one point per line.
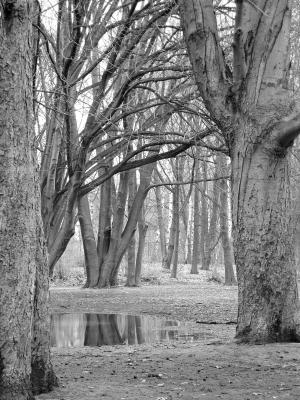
212 367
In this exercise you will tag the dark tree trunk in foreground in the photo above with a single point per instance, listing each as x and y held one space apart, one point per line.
259 121
24 331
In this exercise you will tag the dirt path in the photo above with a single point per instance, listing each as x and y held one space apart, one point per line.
213 367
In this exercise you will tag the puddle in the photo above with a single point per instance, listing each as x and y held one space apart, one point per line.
77 330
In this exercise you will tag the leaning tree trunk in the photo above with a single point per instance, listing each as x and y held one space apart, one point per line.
142 227
89 242
24 337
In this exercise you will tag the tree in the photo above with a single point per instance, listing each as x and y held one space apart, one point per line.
251 104
25 367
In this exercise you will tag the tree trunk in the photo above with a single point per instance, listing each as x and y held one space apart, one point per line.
170 249
131 246
204 221
224 227
252 107
263 232
24 337
89 242
43 378
177 232
111 258
161 222
104 227
215 206
143 227
196 223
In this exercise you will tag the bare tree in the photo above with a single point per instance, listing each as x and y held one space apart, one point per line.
252 106
25 367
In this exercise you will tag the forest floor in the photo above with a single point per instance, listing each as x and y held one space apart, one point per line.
211 367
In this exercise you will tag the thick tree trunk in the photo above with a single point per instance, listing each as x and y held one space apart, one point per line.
24 341
89 242
259 122
43 378
263 231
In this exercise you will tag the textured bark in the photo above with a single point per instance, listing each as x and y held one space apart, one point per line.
23 338
264 243
259 123
43 378
89 242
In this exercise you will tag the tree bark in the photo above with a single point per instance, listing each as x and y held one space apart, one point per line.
107 277
104 227
89 242
142 227
24 340
131 245
177 233
171 243
204 221
259 123
224 227
196 223
161 222
264 244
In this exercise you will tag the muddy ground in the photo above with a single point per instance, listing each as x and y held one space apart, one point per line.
211 367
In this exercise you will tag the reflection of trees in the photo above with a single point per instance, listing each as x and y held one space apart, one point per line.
139 330
70 330
67 330
102 329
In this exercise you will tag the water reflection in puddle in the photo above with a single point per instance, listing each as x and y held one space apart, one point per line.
76 330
